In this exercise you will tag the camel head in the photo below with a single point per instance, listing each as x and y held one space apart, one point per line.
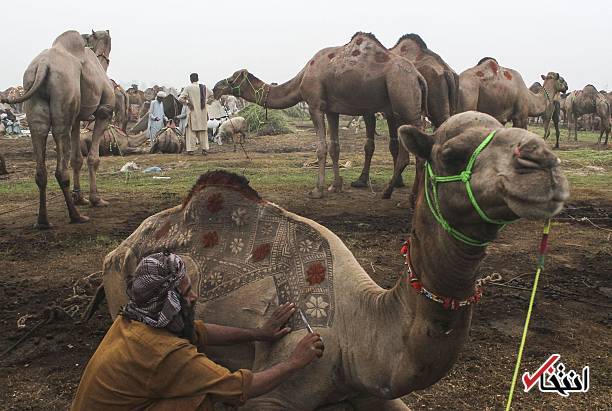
99 42
553 81
514 175
234 84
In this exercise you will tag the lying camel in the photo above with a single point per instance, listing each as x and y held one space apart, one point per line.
235 128
168 141
115 142
246 256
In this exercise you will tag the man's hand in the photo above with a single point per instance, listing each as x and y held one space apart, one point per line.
309 348
274 327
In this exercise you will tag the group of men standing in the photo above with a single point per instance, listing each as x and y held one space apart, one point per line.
193 118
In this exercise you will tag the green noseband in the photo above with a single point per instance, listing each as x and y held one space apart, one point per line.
465 177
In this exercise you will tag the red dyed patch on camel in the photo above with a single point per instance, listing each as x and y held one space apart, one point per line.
162 231
210 239
359 41
355 53
214 202
403 49
311 62
331 55
315 274
493 66
261 252
381 57
480 73
507 75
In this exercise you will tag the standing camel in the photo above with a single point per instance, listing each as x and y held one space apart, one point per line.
360 78
121 114
247 256
64 85
552 110
502 93
588 101
442 81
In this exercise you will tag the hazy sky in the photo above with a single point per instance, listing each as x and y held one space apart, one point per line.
163 41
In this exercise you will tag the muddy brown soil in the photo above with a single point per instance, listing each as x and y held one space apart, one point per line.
572 315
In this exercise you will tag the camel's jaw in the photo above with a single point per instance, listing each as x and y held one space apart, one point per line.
536 195
221 89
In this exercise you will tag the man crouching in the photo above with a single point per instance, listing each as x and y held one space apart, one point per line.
152 356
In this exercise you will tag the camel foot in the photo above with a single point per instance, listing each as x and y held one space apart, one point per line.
98 202
336 187
43 226
556 146
387 193
80 219
399 183
79 199
360 183
316 193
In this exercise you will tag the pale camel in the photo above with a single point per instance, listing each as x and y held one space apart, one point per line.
114 142
246 256
360 78
64 85
502 93
236 129
442 81
588 101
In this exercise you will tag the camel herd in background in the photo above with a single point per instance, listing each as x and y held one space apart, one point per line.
67 84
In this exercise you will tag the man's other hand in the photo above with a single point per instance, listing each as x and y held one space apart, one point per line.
274 327
309 348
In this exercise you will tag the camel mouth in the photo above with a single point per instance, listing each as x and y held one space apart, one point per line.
535 196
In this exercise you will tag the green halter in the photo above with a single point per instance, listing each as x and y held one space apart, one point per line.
465 177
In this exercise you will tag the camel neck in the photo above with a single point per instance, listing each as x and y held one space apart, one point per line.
273 96
539 102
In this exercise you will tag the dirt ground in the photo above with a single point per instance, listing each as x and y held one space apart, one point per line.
572 315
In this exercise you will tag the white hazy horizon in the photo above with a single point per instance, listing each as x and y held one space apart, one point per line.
156 42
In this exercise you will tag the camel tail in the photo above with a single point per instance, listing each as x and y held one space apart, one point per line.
424 94
452 81
40 74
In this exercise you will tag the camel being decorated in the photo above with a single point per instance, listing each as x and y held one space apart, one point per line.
442 81
502 93
588 101
64 85
360 78
246 256
115 142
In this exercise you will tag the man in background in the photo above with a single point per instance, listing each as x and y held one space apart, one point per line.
156 116
195 97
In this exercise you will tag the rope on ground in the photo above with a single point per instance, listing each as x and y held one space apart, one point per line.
31 203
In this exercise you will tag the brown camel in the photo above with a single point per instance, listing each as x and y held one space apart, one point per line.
64 85
588 101
168 141
551 112
360 78
247 256
442 81
136 99
3 170
502 93
121 115
14 93
114 142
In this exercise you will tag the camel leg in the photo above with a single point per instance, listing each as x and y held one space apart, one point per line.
61 134
76 162
546 127
318 119
93 157
400 160
555 119
40 123
333 122
393 147
368 148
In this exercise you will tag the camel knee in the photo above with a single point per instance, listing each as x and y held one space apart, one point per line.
41 178
63 178
93 161
369 147
321 151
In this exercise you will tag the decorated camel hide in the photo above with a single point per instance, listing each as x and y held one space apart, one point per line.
168 141
114 142
65 85
246 256
361 77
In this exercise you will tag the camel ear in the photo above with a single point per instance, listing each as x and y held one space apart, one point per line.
543 77
415 141
108 32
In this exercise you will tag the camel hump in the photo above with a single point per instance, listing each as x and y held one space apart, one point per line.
413 37
359 37
72 42
484 59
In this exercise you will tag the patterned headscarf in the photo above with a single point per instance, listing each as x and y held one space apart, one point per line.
153 291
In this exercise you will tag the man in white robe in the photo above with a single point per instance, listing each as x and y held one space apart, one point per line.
195 97
156 116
